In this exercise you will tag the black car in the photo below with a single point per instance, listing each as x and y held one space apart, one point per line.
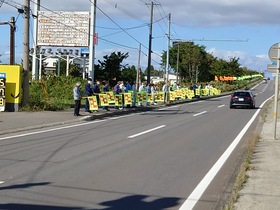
242 98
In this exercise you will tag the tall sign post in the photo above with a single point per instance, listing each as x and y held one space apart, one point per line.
91 41
274 55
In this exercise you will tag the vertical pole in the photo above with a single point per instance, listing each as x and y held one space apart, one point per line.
177 72
12 41
84 68
138 73
167 53
40 65
58 67
35 32
150 45
276 91
67 65
25 98
91 40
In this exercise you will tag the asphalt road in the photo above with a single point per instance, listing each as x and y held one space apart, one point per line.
149 161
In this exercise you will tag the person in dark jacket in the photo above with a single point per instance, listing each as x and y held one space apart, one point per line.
89 92
118 90
96 90
106 89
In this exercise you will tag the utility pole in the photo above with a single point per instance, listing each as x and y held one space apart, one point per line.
150 44
168 47
138 73
25 97
35 35
92 37
12 38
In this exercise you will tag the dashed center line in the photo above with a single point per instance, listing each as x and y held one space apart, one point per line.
221 106
200 113
147 131
1 182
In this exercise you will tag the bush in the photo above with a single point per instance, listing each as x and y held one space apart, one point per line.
52 93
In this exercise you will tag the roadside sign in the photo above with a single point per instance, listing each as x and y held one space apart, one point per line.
272 68
2 91
273 52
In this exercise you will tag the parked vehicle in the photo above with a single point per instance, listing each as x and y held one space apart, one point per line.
242 98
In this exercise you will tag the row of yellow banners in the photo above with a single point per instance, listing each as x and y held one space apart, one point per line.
105 99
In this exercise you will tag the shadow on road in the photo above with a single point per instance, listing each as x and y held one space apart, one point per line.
137 202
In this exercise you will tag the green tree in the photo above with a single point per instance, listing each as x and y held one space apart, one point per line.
192 63
111 66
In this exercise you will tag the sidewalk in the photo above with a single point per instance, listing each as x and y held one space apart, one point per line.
262 189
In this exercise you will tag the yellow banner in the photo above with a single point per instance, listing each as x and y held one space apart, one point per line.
111 97
172 96
93 105
159 97
118 99
103 100
127 99
150 98
139 97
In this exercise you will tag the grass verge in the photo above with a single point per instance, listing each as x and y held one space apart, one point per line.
242 175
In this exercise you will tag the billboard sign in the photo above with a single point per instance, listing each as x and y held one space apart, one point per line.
63 28
2 91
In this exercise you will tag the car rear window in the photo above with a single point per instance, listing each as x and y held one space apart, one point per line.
242 94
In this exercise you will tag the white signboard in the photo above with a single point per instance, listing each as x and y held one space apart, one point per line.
61 28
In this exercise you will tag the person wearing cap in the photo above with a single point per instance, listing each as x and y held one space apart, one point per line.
77 98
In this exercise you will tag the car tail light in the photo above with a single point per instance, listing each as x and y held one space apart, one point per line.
233 97
248 98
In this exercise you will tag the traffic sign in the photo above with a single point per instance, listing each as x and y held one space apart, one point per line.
272 68
273 52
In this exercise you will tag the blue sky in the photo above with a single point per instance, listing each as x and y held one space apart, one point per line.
239 28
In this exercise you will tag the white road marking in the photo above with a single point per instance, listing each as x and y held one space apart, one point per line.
204 183
2 182
221 106
200 113
147 131
169 107
49 130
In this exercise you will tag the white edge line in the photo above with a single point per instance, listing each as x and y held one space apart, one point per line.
200 113
201 187
53 129
144 132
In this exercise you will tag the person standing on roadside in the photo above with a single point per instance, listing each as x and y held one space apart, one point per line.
89 93
96 90
77 98
148 90
118 90
106 89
